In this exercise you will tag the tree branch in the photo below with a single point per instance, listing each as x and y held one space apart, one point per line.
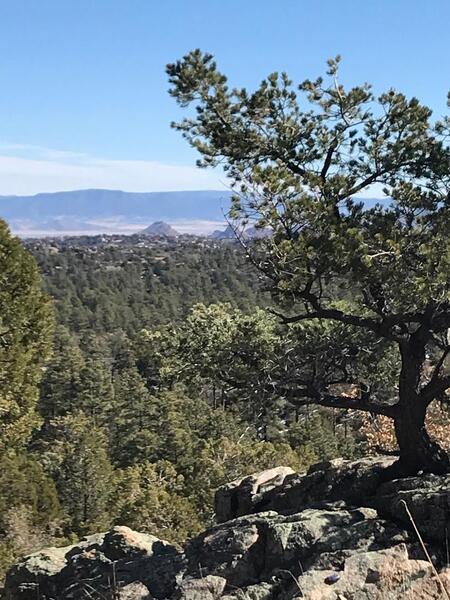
335 315
327 162
342 402
435 389
307 396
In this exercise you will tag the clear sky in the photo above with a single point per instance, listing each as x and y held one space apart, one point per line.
83 91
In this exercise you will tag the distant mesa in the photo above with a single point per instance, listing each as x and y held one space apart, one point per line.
114 211
251 233
89 205
118 212
226 234
160 229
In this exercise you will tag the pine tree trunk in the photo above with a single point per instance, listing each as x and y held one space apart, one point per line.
417 451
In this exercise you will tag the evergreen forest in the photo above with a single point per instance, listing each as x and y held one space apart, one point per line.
141 413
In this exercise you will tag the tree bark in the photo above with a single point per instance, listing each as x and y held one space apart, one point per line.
417 451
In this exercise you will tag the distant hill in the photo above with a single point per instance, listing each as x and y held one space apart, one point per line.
225 234
159 228
107 204
249 233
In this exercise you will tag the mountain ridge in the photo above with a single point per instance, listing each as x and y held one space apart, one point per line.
104 203
116 211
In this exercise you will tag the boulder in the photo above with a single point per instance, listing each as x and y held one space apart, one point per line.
123 542
134 591
233 550
428 500
238 497
381 575
36 575
430 588
96 566
205 588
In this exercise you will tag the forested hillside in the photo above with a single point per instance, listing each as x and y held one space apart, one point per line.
159 389
131 283
141 415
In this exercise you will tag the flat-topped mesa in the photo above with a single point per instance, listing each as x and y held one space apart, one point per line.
338 531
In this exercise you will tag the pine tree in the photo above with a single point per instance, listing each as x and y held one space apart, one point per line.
25 337
148 498
61 385
298 157
75 452
133 435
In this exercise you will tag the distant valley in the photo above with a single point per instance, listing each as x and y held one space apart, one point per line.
98 211
109 211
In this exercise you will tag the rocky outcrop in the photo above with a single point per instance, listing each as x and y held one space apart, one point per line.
428 500
285 491
337 532
137 564
240 497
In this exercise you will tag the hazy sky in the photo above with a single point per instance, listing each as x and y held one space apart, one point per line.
83 91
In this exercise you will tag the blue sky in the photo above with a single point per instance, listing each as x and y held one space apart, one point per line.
84 100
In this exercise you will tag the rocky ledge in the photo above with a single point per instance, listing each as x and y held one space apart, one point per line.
341 531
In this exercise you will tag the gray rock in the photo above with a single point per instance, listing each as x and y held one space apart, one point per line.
234 550
351 482
338 532
91 567
134 591
205 588
381 575
428 500
123 542
310 536
239 497
260 591
36 576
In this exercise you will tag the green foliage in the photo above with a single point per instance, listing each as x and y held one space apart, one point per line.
141 427
75 452
300 168
128 287
298 156
133 428
321 432
25 333
218 350
239 360
61 384
23 482
29 507
149 497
